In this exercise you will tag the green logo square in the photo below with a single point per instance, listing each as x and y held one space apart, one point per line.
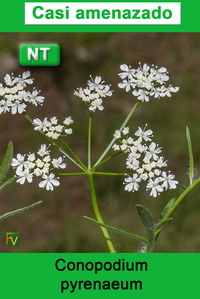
12 239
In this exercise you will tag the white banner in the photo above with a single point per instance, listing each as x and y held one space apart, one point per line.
104 13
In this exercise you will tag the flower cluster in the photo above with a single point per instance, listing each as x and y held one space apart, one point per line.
143 158
14 97
38 165
94 93
146 81
51 128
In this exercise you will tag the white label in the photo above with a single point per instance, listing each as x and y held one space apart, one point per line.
104 13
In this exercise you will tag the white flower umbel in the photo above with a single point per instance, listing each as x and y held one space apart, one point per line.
94 93
38 165
146 81
14 97
144 160
51 128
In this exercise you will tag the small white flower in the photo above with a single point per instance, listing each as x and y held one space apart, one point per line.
144 135
106 92
127 71
59 128
141 95
54 120
125 130
168 181
157 172
124 147
116 147
24 175
68 121
34 98
161 163
46 167
68 131
58 163
52 128
117 134
96 84
133 164
31 157
38 172
153 151
43 150
53 135
49 182
132 183
127 85
144 176
47 159
9 80
18 107
18 161
154 186
5 106
41 125
39 163
96 104
24 79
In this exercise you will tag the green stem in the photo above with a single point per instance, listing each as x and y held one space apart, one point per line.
148 248
110 173
73 153
177 202
71 174
98 214
114 139
54 143
89 140
8 182
12 213
107 159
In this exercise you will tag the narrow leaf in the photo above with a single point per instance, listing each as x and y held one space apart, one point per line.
8 182
12 213
191 159
147 220
6 161
120 231
167 208
162 223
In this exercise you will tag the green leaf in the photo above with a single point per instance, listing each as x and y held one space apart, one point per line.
120 231
8 182
12 213
191 159
168 206
147 220
162 223
6 161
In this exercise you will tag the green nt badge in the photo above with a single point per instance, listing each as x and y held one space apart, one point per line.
12 239
39 54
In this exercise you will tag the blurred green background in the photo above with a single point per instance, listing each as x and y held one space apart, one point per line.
57 224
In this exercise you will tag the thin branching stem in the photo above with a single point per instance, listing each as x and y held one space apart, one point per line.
114 139
73 154
54 143
89 140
